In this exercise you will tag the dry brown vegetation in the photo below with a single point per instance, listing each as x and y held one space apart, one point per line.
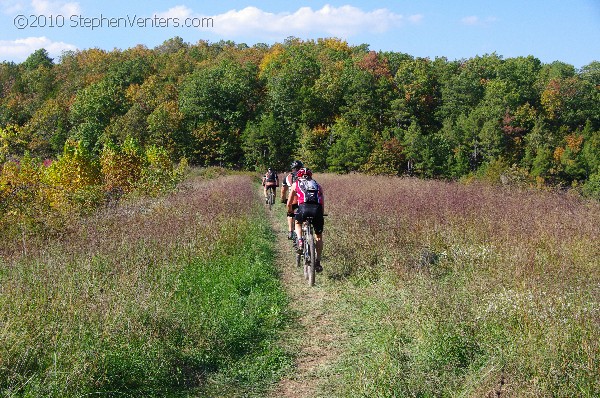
464 289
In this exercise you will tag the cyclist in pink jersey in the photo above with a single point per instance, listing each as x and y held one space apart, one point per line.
288 181
311 203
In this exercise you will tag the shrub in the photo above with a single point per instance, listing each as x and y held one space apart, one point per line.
121 167
592 187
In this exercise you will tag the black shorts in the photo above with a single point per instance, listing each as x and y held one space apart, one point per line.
311 210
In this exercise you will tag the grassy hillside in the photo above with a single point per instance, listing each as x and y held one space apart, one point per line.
463 290
162 297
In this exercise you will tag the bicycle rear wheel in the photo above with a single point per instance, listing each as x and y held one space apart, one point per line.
312 256
271 197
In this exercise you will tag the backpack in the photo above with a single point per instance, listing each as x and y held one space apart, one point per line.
271 177
310 189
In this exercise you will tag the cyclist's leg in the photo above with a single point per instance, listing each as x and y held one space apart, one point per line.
284 194
291 221
298 229
319 244
298 219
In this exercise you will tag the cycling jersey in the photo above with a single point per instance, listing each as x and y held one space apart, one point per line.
289 179
271 180
301 195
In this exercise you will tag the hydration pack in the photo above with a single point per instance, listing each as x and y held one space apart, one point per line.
310 189
271 177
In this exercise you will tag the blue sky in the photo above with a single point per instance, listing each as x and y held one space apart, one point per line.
551 30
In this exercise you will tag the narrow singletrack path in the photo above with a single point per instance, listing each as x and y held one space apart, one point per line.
314 335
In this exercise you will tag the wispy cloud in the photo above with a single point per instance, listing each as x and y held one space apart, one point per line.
40 7
176 12
343 21
46 7
474 20
12 6
19 49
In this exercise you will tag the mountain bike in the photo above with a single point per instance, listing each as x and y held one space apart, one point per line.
309 252
270 197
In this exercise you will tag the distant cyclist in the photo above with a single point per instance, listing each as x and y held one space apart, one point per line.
288 181
311 203
270 181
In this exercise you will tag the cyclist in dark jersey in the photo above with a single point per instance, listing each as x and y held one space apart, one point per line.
270 180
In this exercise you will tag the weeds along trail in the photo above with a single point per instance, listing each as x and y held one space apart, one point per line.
156 297
314 335
449 289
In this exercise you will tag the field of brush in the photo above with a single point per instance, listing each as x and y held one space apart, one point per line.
445 290
169 297
463 290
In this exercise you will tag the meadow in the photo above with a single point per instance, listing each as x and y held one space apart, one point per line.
167 296
437 289
466 290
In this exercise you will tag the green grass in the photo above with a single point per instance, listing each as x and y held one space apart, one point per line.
445 290
460 291
178 297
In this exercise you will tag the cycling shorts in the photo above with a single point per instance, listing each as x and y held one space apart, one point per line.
311 210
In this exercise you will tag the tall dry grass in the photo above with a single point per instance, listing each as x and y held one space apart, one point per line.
152 298
464 290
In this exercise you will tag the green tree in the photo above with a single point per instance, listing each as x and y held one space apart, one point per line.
314 147
418 94
225 93
92 110
290 73
266 144
48 128
351 147
39 58
165 125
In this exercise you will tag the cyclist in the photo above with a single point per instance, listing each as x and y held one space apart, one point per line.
289 180
311 203
270 181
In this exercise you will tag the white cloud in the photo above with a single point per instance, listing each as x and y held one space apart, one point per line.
344 20
39 7
417 18
470 20
46 7
475 20
180 12
18 50
11 6
329 20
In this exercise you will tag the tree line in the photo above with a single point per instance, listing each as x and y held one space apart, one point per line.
339 107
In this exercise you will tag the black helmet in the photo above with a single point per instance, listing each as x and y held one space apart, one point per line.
296 164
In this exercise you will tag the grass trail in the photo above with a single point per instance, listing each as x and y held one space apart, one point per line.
315 336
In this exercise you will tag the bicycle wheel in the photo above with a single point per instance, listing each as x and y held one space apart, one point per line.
306 262
271 198
312 256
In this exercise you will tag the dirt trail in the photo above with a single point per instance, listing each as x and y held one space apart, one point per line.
310 305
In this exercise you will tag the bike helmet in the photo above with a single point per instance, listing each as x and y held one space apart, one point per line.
296 164
304 173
